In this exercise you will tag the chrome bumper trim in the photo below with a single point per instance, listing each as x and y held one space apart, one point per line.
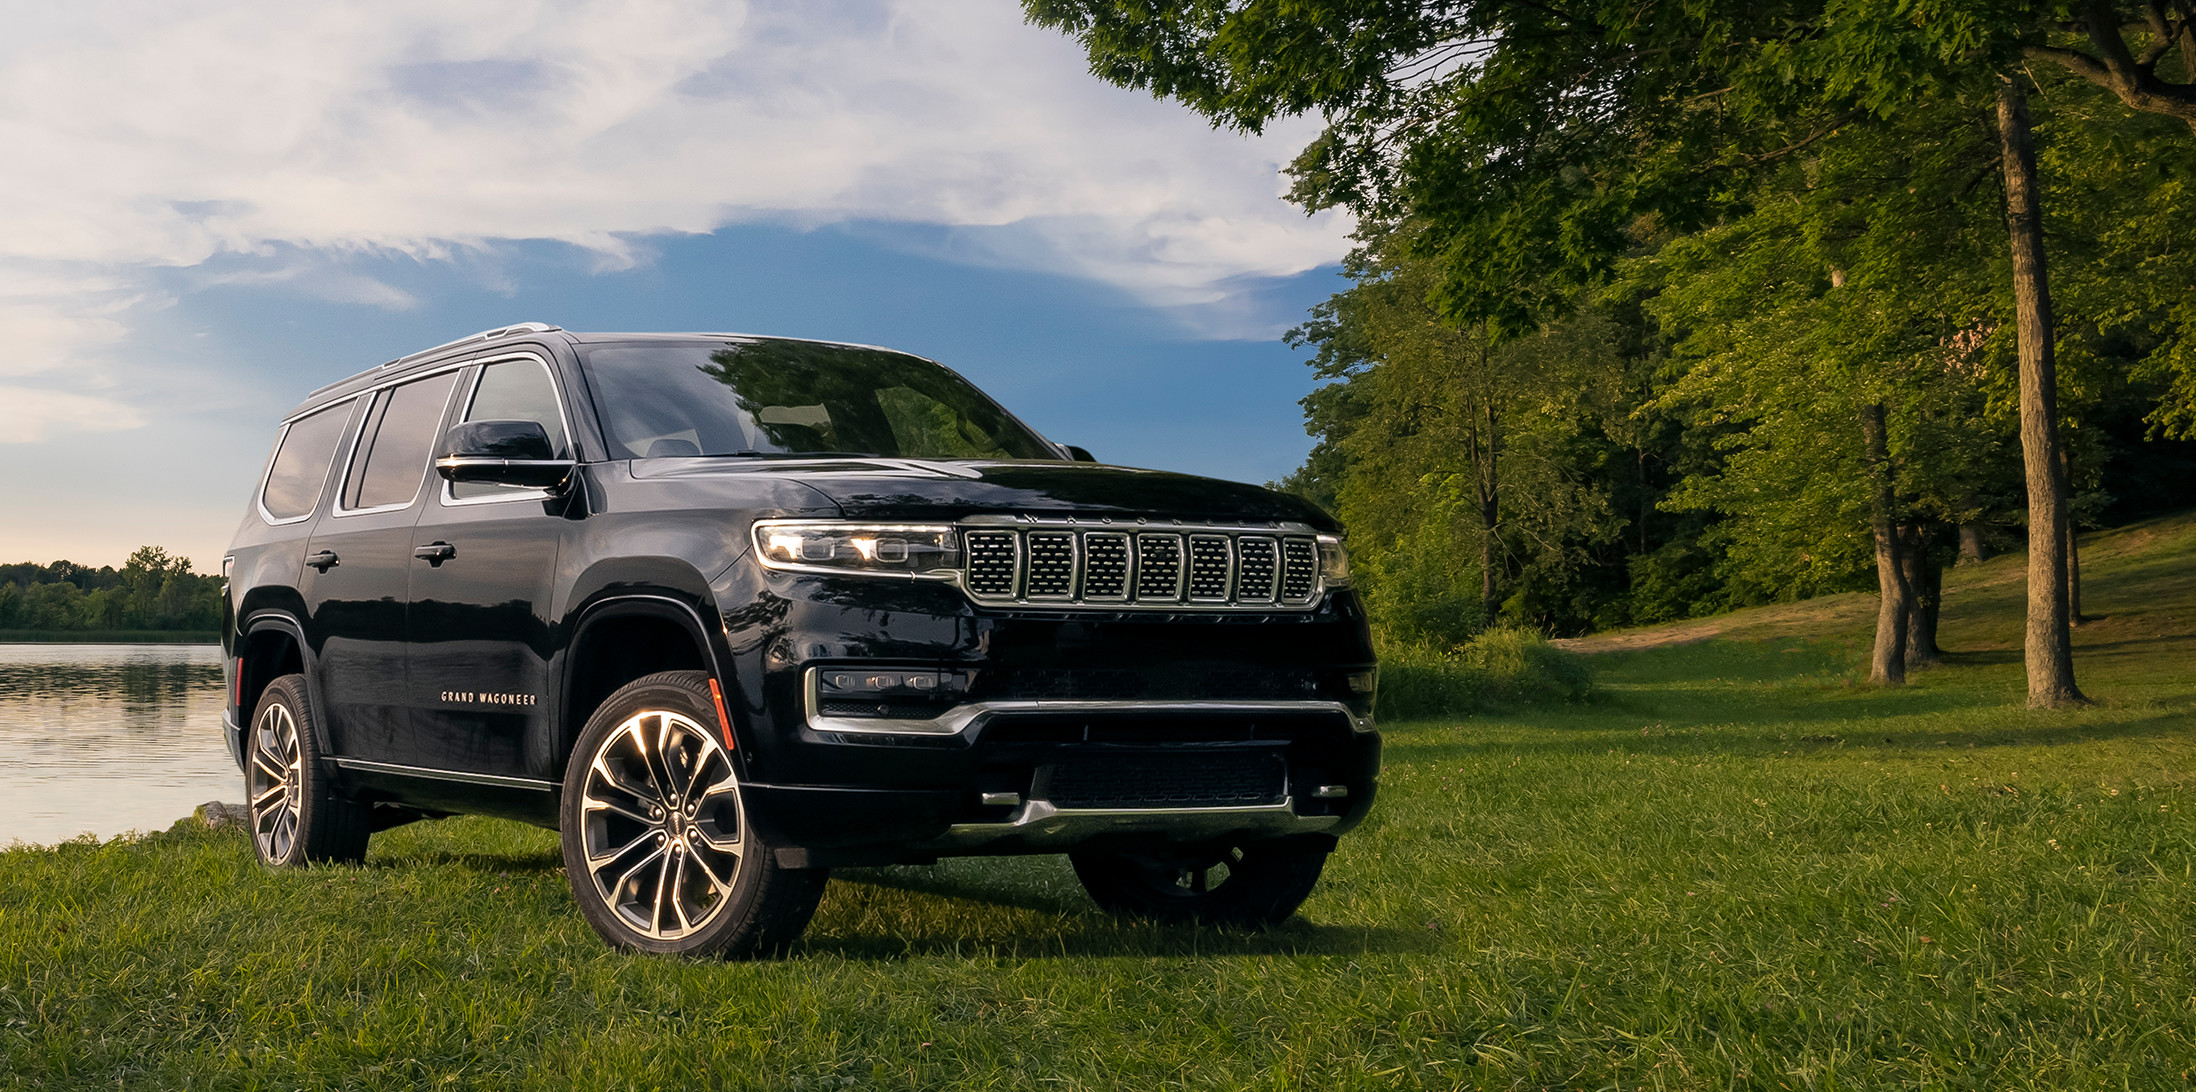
963 719
1039 824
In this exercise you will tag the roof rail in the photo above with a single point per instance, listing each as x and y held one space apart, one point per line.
484 335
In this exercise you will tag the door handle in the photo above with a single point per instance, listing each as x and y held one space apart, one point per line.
435 553
323 560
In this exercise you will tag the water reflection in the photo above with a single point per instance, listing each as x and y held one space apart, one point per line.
108 738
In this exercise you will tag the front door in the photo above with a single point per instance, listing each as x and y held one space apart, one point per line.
358 564
481 623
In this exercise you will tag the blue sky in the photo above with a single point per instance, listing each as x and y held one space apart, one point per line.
216 210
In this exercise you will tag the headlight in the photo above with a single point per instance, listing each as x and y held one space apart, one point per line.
914 551
1334 562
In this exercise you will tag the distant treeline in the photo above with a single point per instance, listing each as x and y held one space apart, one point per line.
153 590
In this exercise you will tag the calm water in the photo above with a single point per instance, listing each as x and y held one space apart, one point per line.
103 739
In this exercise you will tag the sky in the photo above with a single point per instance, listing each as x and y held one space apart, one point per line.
209 209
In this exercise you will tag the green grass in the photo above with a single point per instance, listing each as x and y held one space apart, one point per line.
1735 868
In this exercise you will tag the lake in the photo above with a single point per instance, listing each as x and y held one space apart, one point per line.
103 739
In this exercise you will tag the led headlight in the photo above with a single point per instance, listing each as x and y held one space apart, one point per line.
914 551
1334 562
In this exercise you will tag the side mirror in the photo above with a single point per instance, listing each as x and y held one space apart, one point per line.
1081 455
502 452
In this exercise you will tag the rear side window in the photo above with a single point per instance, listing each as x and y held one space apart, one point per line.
302 455
514 390
394 446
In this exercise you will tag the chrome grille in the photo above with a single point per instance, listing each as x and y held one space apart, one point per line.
992 561
1299 568
1257 562
1158 568
1105 565
1211 564
1193 567
1051 565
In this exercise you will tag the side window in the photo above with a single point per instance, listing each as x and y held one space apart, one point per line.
514 390
301 463
395 445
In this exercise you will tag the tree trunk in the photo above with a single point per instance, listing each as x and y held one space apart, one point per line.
1490 513
1887 664
1925 579
2049 648
1972 547
2073 548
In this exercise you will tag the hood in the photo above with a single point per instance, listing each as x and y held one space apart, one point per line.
924 489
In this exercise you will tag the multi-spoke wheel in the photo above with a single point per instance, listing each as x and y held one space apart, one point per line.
656 841
297 817
1254 885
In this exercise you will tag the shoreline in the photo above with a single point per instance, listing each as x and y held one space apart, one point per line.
109 637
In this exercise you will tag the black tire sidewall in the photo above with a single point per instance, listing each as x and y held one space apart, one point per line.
330 828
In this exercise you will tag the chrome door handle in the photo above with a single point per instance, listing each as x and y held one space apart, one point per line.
435 553
323 560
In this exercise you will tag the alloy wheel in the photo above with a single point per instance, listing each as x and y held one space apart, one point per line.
662 829
275 782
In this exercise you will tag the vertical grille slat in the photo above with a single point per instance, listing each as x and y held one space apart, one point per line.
1158 568
1051 565
1211 564
1105 566
1299 569
993 560
1257 566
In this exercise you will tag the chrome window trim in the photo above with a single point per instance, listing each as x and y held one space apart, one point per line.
282 436
337 510
446 496
965 718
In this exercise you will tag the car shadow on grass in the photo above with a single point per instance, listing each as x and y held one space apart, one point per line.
958 915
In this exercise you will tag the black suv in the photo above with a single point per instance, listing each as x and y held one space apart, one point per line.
729 611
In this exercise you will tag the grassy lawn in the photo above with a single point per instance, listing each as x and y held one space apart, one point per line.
1737 868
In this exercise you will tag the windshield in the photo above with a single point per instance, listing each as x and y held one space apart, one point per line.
762 398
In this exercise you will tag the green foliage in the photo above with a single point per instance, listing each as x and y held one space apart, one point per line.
153 590
1504 668
1730 871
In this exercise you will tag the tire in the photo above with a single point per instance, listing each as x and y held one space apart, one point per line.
657 847
1251 886
297 816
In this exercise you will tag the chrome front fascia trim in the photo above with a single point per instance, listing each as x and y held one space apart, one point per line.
964 719
1039 824
498 780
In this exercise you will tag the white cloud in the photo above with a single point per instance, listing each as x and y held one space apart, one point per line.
174 132
144 136
30 414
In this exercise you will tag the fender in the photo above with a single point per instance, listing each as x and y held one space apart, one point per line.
642 602
277 618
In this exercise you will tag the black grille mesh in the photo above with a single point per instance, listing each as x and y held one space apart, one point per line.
1158 566
1105 565
1208 567
1300 568
991 562
1256 560
1200 780
1051 564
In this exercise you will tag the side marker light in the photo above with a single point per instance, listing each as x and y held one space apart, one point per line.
724 719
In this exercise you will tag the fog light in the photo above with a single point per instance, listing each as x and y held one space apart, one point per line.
1362 682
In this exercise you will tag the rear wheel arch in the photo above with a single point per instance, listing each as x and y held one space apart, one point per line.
273 645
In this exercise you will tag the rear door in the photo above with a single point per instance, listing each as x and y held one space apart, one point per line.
358 564
481 623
